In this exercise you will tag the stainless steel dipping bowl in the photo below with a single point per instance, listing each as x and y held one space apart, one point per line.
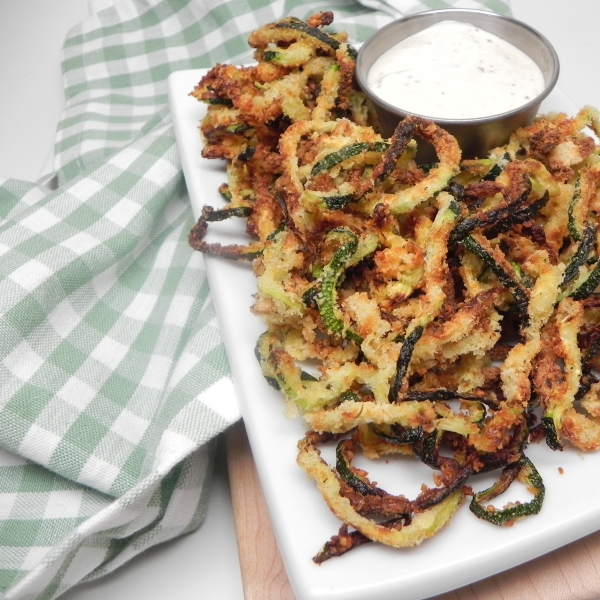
475 136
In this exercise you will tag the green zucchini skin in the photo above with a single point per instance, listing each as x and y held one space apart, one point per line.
270 55
324 38
261 351
519 216
457 191
349 396
219 101
500 165
246 154
210 214
281 227
402 136
309 297
346 540
586 244
342 466
225 192
305 376
326 297
428 449
403 361
505 278
400 437
338 202
456 475
518 511
571 224
237 128
433 496
454 206
440 394
233 252
335 158
488 218
589 285
551 434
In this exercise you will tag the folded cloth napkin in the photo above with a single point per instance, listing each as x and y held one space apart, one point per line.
115 381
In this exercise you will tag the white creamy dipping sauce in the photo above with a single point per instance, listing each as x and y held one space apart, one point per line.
454 70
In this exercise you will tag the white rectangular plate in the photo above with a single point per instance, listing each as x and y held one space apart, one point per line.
465 551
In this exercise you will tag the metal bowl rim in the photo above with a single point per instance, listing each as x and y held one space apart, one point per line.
471 121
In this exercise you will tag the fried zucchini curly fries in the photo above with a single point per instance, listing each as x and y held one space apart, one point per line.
449 311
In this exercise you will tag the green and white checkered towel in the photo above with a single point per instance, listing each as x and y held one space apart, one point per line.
114 378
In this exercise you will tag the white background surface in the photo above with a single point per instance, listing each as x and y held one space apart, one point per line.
203 564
